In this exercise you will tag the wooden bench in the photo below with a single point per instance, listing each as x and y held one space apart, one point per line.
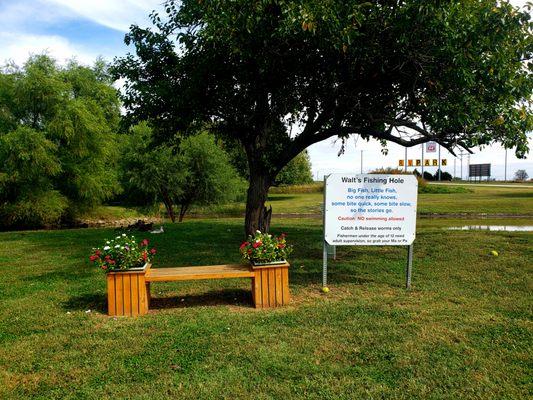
128 293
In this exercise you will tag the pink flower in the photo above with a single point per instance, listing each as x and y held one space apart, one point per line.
144 242
93 258
153 251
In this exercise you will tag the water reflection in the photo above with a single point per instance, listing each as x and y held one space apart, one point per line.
508 228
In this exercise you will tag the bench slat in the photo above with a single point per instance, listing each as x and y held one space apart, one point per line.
201 272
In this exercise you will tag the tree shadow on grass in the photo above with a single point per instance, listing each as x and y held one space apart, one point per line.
281 197
233 297
87 301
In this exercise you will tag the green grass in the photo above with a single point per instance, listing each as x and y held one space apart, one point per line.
440 200
308 199
464 332
113 212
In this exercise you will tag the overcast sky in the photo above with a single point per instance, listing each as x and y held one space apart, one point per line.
85 29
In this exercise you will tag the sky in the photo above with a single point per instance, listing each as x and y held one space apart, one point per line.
87 29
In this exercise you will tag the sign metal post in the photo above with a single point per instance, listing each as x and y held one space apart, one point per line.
409 267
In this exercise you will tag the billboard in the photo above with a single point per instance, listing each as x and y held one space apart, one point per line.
479 170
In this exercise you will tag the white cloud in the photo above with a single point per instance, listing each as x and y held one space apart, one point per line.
118 15
19 46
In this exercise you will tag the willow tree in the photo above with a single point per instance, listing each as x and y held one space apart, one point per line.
57 140
280 75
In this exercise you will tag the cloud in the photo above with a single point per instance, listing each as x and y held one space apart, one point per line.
19 46
118 15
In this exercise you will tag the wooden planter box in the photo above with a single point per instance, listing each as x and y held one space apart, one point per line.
270 286
127 293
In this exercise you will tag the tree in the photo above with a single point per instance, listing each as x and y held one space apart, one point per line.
445 176
521 175
57 140
428 176
193 171
280 75
297 171
157 172
210 177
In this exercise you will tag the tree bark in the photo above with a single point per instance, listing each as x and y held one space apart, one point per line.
168 205
257 216
183 210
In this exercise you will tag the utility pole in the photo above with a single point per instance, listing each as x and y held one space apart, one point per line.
440 166
454 167
405 159
461 154
505 178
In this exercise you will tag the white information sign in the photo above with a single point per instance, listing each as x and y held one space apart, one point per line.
368 209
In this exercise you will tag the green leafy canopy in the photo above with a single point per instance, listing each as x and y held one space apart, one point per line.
458 72
57 140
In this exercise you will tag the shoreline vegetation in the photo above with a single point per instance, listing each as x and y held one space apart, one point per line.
305 201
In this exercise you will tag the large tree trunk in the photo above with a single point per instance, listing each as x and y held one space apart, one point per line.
257 216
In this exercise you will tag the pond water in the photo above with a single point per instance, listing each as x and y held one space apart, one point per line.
508 228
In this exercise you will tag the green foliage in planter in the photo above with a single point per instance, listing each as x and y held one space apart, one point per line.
264 248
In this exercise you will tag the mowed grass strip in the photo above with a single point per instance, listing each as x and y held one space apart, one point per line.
469 199
464 331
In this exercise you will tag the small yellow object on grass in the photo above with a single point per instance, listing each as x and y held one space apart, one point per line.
494 253
325 289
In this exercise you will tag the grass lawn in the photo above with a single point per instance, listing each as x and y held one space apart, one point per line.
475 200
464 331
482 199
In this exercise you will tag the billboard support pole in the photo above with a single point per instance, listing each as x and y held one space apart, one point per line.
325 250
423 144
409 268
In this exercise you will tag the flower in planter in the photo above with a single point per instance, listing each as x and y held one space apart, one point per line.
265 248
121 253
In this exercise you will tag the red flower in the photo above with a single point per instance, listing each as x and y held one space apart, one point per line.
257 244
153 251
281 246
250 251
98 253
145 242
107 258
145 255
244 244
93 258
104 267
112 262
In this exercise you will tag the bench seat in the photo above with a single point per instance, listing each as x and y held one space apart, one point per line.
204 272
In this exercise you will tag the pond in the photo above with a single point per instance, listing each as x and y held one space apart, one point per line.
507 228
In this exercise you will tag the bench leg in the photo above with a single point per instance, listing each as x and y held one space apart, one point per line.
256 292
148 295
